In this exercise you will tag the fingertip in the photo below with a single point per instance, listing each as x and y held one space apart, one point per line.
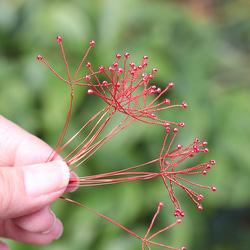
59 229
42 220
56 231
4 246
41 179
73 183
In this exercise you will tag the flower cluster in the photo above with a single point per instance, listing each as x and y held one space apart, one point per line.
127 90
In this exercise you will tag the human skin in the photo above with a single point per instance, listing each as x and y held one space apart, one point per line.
27 186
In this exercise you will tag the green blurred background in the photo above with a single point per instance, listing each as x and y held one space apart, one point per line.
201 46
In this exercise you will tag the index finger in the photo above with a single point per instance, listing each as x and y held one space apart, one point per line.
20 148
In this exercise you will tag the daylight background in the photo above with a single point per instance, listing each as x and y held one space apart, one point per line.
202 46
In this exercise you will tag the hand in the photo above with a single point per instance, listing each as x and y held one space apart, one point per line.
28 186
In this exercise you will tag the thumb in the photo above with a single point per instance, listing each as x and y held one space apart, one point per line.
27 189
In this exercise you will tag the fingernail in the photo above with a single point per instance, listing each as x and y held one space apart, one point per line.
61 229
4 246
54 222
73 183
41 179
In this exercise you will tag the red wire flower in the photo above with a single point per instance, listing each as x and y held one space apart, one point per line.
126 90
147 239
170 171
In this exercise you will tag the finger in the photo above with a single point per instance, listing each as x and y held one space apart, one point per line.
25 149
73 183
27 189
20 148
3 246
37 222
12 231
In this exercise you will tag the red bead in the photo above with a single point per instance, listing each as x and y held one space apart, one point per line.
204 172
150 76
158 90
132 64
183 248
204 143
167 101
145 58
166 162
39 58
115 64
118 56
105 83
160 204
145 65
208 166
118 85
179 221
59 39
197 140
184 105
179 146
167 124
127 55
170 85
167 129
87 77
175 130
200 197
101 68
152 91
111 69
196 148
206 150
154 70
90 91
182 124
88 65
212 162
176 214
154 116
182 214
92 43
199 206
213 189
120 70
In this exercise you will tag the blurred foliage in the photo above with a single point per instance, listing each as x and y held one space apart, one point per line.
202 46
